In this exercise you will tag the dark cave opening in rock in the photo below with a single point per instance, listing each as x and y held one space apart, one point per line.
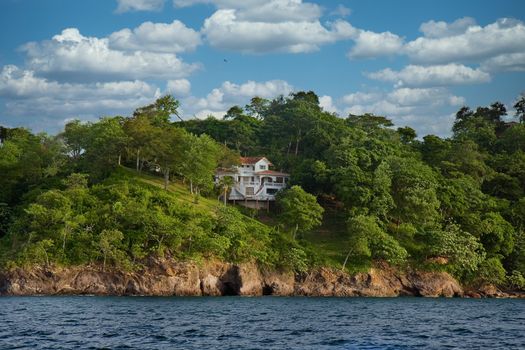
230 289
267 290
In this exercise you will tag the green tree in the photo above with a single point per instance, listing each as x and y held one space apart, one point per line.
519 106
463 251
141 133
168 144
414 192
497 234
160 111
225 184
300 209
75 136
201 155
368 240
108 244
407 134
492 271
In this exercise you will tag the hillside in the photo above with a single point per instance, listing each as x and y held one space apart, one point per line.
360 194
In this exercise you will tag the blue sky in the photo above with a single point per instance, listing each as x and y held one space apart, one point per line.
416 62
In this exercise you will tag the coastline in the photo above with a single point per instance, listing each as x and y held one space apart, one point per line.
170 278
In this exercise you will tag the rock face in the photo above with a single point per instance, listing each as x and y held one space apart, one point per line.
166 278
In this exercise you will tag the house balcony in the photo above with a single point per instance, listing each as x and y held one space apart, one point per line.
274 184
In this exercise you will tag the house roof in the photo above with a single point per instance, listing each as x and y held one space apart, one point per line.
271 172
253 160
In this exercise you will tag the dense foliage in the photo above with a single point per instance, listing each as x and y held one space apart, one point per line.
446 203
454 204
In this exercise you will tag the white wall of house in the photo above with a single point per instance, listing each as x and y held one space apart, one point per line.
252 185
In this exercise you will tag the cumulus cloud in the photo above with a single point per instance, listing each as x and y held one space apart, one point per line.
228 94
178 87
156 37
438 75
459 41
424 97
43 101
371 44
359 98
73 56
139 5
264 10
440 29
226 30
439 56
327 103
507 62
428 110
467 42
341 10
262 26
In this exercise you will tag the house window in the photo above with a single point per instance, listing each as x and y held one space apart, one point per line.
262 167
249 191
238 179
279 180
253 180
271 191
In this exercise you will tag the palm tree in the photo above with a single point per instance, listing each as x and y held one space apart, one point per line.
226 183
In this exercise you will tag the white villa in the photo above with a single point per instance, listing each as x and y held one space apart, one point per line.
255 185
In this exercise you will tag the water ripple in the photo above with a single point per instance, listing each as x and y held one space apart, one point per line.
260 323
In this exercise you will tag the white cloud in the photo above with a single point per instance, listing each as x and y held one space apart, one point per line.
358 98
228 94
43 101
226 30
440 54
433 29
439 75
205 113
156 37
424 97
327 103
507 62
472 44
371 44
179 87
271 11
426 110
341 10
139 5
76 57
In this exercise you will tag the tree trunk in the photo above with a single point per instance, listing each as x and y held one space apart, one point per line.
225 194
295 230
64 242
138 158
346 260
166 178
119 158
191 186
104 263
297 142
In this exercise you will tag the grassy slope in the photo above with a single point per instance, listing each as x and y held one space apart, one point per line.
327 241
180 190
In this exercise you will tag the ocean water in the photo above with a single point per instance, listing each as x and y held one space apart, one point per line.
82 322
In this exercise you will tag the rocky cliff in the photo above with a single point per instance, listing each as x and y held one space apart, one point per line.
164 278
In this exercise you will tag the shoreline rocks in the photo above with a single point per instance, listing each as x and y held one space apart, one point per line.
169 278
